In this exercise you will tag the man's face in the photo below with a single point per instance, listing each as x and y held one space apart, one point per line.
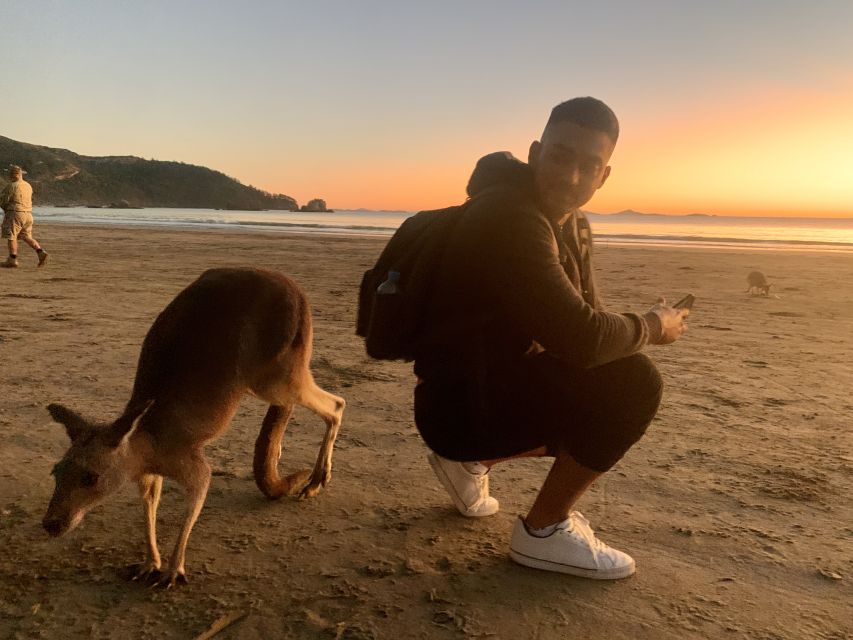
14 175
569 165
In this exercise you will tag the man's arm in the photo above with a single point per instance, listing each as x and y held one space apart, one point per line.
536 293
596 292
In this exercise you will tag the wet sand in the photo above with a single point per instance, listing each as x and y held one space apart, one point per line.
736 505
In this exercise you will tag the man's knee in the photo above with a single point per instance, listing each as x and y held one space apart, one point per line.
640 388
644 389
644 385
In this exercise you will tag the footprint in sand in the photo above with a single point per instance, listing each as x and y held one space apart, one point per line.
789 484
729 402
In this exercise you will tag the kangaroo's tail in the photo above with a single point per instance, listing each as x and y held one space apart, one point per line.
268 452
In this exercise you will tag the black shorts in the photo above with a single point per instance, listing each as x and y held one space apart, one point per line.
595 415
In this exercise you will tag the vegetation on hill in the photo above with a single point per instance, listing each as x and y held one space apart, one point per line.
61 177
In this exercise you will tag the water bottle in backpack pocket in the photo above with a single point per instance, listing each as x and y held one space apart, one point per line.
391 311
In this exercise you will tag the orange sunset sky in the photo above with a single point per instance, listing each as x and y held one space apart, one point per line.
730 109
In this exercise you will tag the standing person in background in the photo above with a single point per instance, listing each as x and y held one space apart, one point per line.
16 200
518 356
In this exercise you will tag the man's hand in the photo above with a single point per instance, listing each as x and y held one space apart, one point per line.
672 321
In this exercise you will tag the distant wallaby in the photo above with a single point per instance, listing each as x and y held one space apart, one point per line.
231 332
758 283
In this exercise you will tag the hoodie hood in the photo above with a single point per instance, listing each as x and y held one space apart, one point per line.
499 168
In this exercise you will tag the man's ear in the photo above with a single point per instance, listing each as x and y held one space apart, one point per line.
533 153
75 425
604 176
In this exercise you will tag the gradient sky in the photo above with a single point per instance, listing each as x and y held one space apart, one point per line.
731 108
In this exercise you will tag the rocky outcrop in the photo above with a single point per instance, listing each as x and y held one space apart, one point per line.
315 206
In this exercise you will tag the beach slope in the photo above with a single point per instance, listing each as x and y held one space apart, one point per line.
736 505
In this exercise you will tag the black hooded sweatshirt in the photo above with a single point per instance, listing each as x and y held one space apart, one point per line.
509 278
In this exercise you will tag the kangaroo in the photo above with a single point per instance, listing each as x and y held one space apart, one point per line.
758 283
231 332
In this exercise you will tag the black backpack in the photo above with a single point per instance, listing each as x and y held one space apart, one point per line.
391 323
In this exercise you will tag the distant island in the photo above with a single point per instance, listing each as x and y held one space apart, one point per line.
63 178
315 206
630 213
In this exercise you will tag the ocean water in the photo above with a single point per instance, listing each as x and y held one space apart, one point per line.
802 234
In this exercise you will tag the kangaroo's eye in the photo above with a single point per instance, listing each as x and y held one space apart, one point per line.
90 479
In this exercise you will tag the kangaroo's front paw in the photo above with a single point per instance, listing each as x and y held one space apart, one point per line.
309 491
297 481
144 571
172 578
317 482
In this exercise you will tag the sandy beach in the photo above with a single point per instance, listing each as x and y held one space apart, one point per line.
736 505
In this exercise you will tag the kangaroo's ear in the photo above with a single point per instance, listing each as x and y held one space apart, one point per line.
75 425
129 420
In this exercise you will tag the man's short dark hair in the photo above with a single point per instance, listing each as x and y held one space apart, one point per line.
590 113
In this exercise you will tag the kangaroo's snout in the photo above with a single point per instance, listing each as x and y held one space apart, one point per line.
52 526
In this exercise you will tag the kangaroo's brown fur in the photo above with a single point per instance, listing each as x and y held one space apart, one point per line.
758 283
231 332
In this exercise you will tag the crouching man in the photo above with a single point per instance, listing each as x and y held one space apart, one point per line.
519 358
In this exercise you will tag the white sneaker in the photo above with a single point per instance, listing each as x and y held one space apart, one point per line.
572 548
469 491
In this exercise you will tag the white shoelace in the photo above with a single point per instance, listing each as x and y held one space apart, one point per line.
581 525
482 480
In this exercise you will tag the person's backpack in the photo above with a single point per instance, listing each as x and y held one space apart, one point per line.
390 319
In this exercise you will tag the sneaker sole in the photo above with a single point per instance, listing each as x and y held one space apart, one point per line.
595 574
451 491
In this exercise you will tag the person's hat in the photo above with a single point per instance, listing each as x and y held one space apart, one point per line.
13 168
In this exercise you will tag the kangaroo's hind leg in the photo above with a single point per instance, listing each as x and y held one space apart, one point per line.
268 453
331 408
